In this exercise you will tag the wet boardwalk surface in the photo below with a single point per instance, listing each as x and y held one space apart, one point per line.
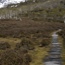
54 57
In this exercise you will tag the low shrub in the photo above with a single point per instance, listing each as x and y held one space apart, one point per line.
25 43
44 42
4 45
15 57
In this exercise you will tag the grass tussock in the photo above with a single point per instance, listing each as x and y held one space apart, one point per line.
38 55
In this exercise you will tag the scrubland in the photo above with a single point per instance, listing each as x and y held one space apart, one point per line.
25 42
25 32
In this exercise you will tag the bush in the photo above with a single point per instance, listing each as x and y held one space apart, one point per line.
4 45
25 43
15 57
44 42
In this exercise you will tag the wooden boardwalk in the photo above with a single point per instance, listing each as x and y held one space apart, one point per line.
54 57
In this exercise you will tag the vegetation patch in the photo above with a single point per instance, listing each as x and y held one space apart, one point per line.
4 46
32 37
25 43
16 57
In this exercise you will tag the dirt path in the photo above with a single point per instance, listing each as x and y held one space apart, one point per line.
54 57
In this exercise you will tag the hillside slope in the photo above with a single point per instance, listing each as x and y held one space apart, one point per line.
49 9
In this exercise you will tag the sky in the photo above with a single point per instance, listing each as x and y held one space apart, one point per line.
9 2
